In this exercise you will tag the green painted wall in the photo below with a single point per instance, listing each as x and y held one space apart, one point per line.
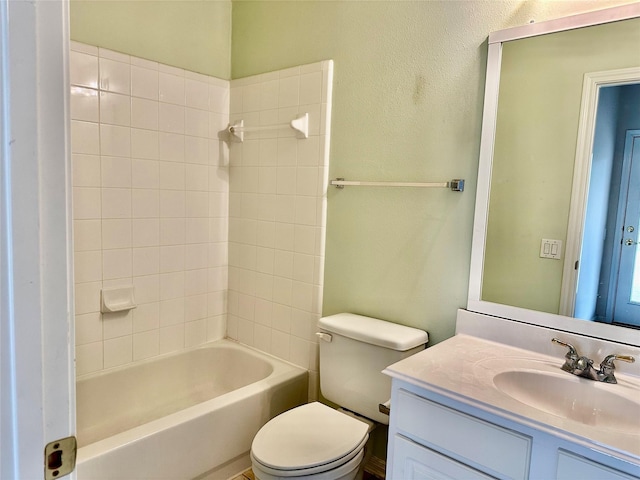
536 136
190 34
408 90
407 105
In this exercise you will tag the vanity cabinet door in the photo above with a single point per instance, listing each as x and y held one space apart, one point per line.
571 466
415 462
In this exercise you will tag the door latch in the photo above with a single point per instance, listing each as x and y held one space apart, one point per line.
60 458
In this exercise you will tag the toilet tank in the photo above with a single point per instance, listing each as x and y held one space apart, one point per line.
353 352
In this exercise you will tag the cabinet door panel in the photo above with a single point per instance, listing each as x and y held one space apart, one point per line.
415 462
469 438
571 466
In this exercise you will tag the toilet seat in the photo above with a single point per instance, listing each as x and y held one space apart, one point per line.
309 439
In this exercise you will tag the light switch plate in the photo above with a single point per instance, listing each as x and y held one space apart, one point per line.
551 249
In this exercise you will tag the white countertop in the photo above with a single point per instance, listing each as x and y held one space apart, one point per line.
463 368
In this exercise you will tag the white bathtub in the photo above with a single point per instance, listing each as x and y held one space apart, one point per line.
183 415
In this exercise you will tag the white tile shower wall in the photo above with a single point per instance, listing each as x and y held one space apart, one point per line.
277 213
150 195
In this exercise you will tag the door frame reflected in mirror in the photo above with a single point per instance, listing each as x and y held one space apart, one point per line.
591 89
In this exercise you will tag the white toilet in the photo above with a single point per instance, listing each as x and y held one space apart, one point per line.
316 442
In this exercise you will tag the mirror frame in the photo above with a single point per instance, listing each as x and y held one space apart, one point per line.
494 56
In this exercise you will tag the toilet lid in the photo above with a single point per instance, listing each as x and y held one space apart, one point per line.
306 437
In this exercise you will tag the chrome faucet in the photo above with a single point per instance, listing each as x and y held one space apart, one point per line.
583 366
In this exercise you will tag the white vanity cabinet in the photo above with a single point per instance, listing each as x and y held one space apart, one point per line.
433 437
451 420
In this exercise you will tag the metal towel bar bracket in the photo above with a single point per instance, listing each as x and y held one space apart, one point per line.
456 185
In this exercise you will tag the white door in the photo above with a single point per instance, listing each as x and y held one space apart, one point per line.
37 388
626 307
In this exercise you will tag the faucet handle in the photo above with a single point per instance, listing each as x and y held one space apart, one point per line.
608 360
571 355
607 367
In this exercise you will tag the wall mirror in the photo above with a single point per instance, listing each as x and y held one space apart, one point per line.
557 221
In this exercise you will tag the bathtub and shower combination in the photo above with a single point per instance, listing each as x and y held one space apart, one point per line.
192 414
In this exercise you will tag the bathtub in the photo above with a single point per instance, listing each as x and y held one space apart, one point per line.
181 416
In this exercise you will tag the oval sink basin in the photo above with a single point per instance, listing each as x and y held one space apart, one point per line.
602 405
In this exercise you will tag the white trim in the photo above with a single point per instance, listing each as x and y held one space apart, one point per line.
489 117
56 219
581 173
36 332
614 14
7 382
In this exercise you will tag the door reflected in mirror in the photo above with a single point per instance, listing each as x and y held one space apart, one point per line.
533 193
607 276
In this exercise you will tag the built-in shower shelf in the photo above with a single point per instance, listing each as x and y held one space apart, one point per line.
117 299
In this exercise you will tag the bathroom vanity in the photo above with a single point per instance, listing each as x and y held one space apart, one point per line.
472 408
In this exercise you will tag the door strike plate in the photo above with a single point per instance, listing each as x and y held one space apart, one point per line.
60 458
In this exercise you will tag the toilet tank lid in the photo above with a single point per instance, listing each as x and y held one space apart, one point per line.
374 331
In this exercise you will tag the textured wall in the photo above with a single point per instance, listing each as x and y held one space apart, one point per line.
190 34
409 82
408 92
